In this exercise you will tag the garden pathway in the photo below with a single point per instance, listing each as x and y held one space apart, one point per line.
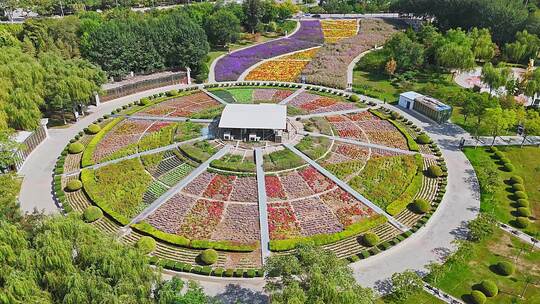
521 235
165 118
293 95
148 152
365 144
347 188
324 114
263 212
441 295
350 67
173 190
502 141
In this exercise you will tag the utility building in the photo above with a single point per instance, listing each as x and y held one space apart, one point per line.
426 105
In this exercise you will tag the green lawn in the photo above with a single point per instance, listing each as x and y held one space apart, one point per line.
462 276
420 298
527 163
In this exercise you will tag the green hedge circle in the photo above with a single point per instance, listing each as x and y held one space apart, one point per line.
506 268
75 148
146 244
523 202
73 185
92 214
93 129
144 101
477 297
524 212
489 288
518 187
420 206
508 167
521 195
370 239
434 171
354 98
522 222
516 179
423 139
209 256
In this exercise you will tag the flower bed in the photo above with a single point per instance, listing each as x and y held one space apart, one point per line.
274 188
122 135
244 190
315 180
199 184
234 64
295 186
182 106
312 103
314 217
240 224
169 216
285 68
220 187
335 30
201 221
282 222
348 209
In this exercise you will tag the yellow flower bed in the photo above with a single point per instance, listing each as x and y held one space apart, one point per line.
335 30
286 68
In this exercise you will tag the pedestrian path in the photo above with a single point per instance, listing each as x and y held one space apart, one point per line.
292 96
502 141
324 114
173 190
347 188
165 118
522 236
263 211
139 154
213 96
441 295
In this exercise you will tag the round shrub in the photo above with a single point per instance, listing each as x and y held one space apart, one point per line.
354 98
73 185
423 139
370 239
144 101
506 268
499 154
521 222
516 179
395 115
493 149
489 288
146 244
420 206
505 160
518 187
478 297
209 256
93 129
75 148
434 171
508 167
523 203
521 195
92 214
524 211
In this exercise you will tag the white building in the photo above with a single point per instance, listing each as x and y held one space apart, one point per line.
425 105
253 122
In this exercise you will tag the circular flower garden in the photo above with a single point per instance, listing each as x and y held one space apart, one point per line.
348 172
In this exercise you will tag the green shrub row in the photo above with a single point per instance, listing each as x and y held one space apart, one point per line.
238 166
91 147
206 270
325 239
381 247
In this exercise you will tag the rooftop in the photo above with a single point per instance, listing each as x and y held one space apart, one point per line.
259 116
426 100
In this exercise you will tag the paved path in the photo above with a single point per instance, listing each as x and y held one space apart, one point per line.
324 114
292 96
441 295
347 188
365 144
173 190
148 152
165 118
263 211
36 190
502 141
522 236
350 67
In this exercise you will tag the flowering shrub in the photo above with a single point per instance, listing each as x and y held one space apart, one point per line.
315 180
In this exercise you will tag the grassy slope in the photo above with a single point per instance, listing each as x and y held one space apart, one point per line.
527 163
421 298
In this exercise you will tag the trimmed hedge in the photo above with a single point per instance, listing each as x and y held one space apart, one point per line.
524 212
370 239
423 139
92 214
521 195
411 143
73 185
434 171
489 288
508 167
93 129
208 256
522 222
518 187
75 148
146 244
354 98
420 206
477 297
506 268
324 239
516 179
522 202
499 155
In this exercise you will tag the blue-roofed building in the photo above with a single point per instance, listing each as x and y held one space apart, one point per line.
425 105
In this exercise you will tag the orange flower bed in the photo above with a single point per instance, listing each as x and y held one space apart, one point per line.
335 30
286 68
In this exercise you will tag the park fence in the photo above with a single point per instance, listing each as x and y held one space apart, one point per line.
29 141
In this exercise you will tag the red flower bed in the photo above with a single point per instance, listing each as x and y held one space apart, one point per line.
315 180
282 221
220 187
202 219
274 188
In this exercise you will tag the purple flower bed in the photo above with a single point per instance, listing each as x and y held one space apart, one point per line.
230 67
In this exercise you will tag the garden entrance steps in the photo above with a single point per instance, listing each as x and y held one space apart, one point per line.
139 154
263 212
165 118
365 144
324 114
176 188
214 96
347 188
293 95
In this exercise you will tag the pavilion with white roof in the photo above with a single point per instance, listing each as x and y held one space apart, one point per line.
253 122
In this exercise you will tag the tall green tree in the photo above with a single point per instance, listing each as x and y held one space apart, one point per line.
222 27
525 47
405 285
253 12
483 47
497 121
407 53
495 77
455 53
175 292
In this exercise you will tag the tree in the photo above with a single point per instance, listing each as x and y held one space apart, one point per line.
531 83
222 27
390 67
8 149
483 48
407 53
477 105
455 53
496 121
253 12
9 191
172 292
525 47
482 227
531 124
405 285
495 77
313 275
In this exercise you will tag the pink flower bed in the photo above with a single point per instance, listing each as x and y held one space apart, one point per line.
263 94
158 126
202 219
341 106
169 216
274 188
182 106
347 208
315 180
111 144
295 186
303 98
314 217
351 151
244 190
282 222
199 184
281 94
240 224
366 115
220 187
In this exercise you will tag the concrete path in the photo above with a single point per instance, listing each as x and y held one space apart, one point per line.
292 96
441 295
148 152
350 67
324 114
165 118
173 190
502 141
214 96
263 211
522 236
365 144
36 190
347 188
